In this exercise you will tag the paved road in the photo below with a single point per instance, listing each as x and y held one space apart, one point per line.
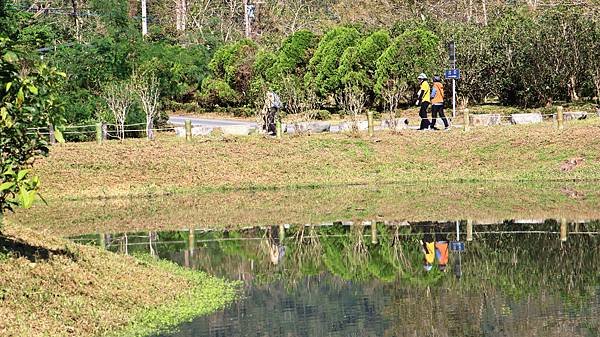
180 120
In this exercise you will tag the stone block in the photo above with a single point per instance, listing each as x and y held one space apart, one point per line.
485 119
237 130
308 127
196 131
574 115
528 118
348 126
401 124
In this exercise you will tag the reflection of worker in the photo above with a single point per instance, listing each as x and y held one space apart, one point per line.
435 246
276 248
271 108
423 100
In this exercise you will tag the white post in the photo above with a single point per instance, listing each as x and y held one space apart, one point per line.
453 98
458 231
144 19
246 19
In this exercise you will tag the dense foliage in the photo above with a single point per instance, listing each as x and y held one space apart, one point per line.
508 53
27 103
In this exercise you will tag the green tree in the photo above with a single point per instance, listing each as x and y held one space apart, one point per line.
358 64
233 64
325 62
27 103
409 54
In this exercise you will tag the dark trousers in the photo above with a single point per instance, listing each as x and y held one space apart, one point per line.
270 121
423 114
438 110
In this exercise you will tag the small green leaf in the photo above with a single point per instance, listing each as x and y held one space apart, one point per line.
9 172
22 174
26 197
32 89
7 186
8 85
20 96
59 136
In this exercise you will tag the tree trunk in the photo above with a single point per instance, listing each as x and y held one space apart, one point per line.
573 89
76 20
485 14
180 14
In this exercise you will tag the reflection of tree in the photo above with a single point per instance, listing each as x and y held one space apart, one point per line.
514 264
512 284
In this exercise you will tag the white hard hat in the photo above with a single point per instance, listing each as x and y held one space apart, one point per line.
422 76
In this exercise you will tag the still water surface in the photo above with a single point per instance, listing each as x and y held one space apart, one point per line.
467 278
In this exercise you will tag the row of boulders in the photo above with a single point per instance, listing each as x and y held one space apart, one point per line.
525 118
295 128
400 124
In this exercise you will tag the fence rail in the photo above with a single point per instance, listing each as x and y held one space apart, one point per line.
106 131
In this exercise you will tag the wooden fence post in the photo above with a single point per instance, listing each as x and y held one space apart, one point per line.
278 129
563 230
374 232
370 122
51 134
467 120
469 230
99 133
188 130
560 118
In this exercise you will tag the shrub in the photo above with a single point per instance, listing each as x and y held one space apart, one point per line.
217 92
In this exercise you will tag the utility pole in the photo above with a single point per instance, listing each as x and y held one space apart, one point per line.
144 19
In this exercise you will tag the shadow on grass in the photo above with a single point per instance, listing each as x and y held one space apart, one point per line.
18 248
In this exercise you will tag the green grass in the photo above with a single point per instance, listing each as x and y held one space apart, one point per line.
53 287
206 295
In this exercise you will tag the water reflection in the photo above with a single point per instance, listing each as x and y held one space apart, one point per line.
393 278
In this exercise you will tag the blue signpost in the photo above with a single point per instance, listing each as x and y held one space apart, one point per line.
452 74
457 246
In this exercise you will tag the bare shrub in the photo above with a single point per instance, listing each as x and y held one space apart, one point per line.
391 93
301 102
353 99
146 87
118 99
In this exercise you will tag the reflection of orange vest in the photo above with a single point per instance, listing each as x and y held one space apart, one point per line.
439 93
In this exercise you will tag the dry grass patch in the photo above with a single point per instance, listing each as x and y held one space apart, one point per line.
231 209
518 153
52 287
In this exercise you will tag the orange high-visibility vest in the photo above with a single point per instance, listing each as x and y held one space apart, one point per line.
439 93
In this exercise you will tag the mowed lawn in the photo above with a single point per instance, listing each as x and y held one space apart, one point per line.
168 164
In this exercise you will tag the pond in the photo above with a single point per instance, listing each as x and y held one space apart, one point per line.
392 278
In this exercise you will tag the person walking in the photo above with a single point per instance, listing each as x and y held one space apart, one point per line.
423 100
437 103
270 108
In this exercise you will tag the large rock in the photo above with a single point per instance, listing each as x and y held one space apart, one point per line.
308 127
237 130
401 124
574 115
485 120
196 131
349 126
530 118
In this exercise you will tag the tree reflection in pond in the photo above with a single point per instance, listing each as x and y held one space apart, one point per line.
367 279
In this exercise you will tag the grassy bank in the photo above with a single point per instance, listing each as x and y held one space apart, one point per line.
52 287
231 209
516 153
